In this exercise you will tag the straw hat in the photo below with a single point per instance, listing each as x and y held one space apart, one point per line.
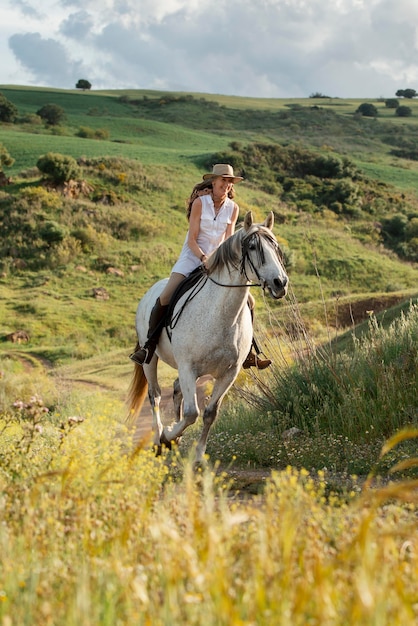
224 170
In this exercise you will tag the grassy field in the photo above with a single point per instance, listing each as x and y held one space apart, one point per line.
169 138
305 512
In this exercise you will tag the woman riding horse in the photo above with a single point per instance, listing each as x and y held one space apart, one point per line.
212 215
211 312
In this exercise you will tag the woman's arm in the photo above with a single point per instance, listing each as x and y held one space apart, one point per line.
230 229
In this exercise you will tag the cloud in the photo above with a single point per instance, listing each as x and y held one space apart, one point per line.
77 26
46 59
268 48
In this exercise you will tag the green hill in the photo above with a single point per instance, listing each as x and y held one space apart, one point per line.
346 208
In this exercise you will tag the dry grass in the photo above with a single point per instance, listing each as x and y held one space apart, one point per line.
94 532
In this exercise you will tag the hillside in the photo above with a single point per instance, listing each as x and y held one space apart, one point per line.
346 210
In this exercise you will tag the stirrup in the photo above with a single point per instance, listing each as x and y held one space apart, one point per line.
140 356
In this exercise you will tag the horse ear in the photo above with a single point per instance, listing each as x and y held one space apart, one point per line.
269 221
248 220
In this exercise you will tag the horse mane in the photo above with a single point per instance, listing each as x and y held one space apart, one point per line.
229 253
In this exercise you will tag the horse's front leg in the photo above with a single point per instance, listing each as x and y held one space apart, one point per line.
177 400
154 396
187 386
220 388
157 426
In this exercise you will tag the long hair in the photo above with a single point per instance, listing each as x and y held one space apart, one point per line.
201 189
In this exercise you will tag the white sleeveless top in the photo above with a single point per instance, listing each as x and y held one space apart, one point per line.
211 233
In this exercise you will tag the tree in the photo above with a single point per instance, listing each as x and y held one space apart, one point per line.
367 110
83 84
403 111
52 114
391 103
406 93
8 111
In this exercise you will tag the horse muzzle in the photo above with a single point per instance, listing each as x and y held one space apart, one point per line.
277 288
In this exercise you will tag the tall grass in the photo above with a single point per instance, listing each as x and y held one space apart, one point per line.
96 533
322 408
372 388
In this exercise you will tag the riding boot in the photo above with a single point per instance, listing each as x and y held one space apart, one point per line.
156 324
253 360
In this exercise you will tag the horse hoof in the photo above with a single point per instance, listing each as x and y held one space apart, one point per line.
165 442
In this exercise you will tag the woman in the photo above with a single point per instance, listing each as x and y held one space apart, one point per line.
212 215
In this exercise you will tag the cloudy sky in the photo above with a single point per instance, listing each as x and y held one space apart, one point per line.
259 48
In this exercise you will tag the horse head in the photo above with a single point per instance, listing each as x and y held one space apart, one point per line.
261 256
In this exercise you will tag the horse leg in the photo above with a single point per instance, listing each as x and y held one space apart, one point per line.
154 395
187 383
220 388
177 400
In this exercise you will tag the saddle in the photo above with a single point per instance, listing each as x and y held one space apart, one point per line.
184 287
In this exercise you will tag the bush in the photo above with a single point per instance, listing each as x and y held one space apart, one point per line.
5 159
403 111
8 111
391 103
85 132
58 167
31 118
51 232
367 110
52 114
395 226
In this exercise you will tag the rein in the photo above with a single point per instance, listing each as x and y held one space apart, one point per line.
242 286
254 238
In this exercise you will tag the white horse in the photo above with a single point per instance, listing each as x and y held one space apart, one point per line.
210 330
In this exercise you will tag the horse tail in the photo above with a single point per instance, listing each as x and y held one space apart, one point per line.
136 394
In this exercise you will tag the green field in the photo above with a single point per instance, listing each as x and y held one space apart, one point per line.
158 146
304 511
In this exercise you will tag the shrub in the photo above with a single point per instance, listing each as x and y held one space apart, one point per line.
411 230
391 103
41 198
5 159
58 167
67 250
52 114
51 232
395 226
367 110
403 111
8 111
85 132
31 118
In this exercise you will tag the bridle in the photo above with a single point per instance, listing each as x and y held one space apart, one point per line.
250 242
